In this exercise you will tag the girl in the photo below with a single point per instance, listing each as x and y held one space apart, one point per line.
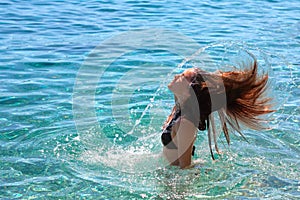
237 97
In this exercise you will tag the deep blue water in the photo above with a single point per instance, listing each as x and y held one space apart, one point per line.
83 96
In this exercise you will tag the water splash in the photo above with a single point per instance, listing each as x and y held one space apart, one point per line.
135 155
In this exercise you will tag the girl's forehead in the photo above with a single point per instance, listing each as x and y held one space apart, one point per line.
190 70
189 73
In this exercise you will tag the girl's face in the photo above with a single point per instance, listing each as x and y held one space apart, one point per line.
180 84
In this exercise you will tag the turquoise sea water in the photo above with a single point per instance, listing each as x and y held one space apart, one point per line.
83 96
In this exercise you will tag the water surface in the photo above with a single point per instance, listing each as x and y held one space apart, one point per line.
46 154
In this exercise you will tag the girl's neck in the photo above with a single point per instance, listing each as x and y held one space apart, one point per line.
180 100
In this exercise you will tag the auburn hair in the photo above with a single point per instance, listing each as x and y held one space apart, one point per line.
245 101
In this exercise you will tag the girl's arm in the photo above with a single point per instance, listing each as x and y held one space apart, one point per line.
185 138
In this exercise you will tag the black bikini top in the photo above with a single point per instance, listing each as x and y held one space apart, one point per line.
166 137
174 119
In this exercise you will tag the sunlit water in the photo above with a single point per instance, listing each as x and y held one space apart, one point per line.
99 139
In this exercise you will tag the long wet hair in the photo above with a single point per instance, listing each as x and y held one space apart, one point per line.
237 96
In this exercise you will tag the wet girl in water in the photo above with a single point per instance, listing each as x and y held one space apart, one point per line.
237 97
